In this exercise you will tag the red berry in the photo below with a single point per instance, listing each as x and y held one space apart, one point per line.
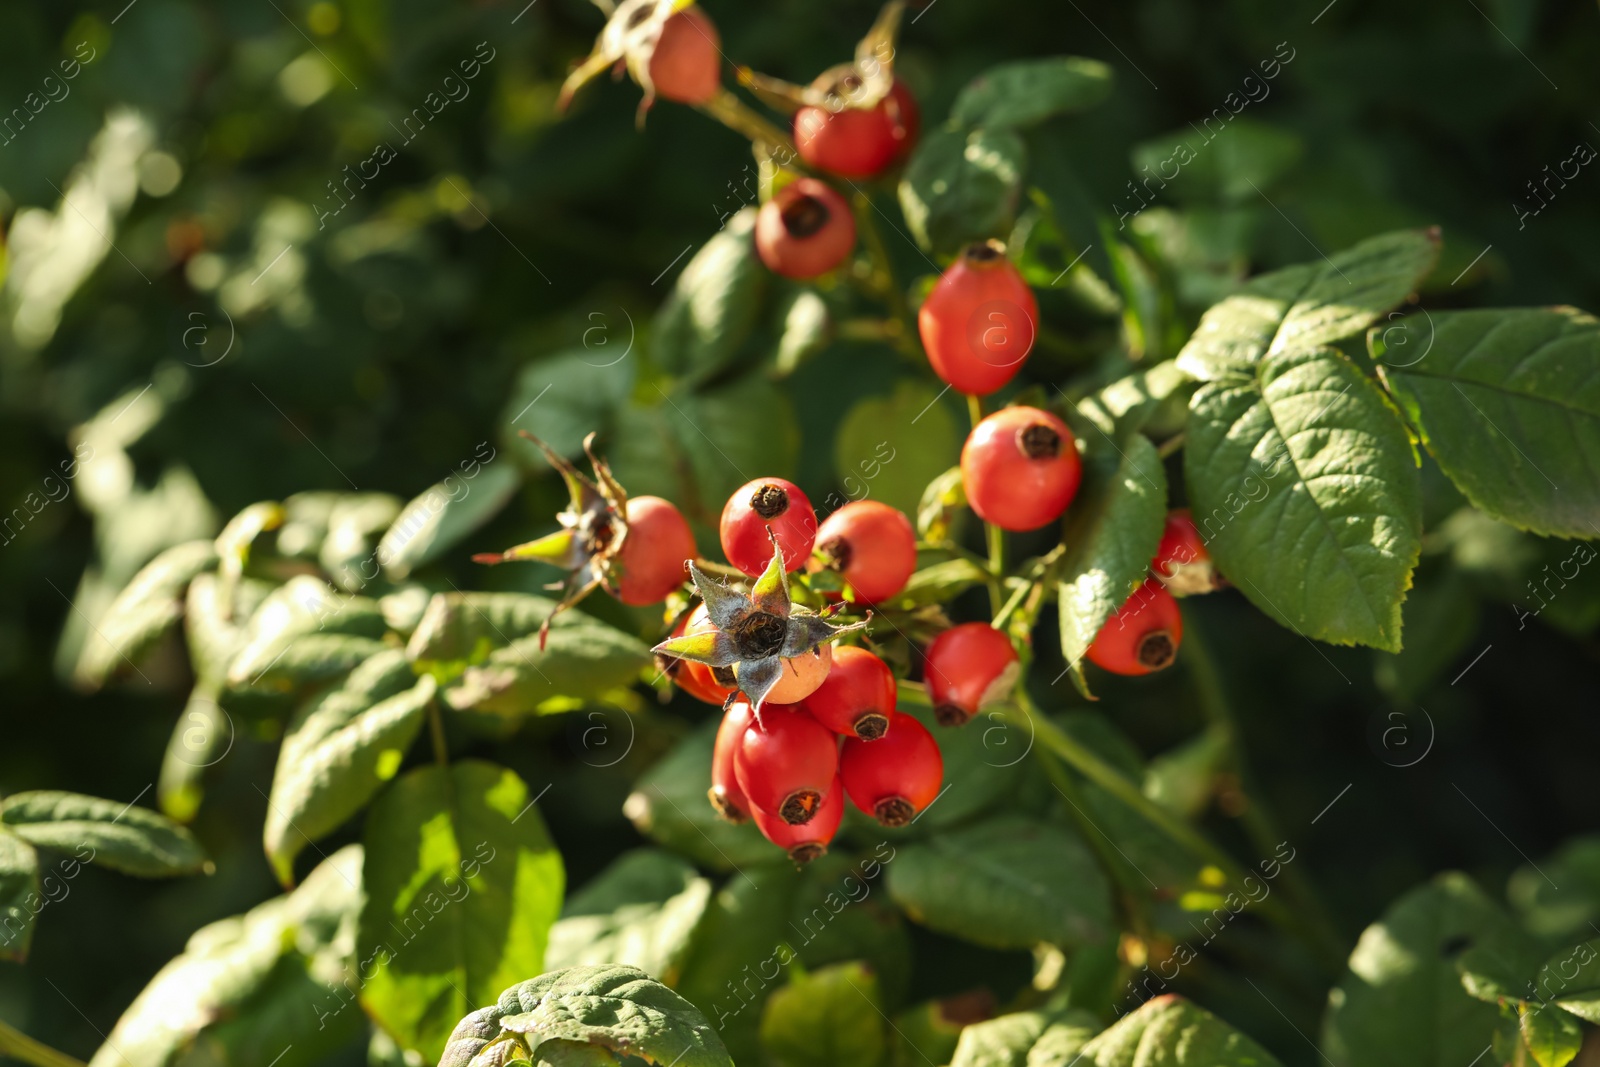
686 65
969 667
697 679
979 322
872 545
858 696
802 675
1020 468
1182 562
805 230
896 776
1142 636
808 840
854 142
725 795
652 556
785 762
763 503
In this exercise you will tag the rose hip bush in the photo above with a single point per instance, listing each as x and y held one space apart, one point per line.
874 735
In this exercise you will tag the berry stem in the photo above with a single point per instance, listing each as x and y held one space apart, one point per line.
734 114
1039 574
16 1044
1057 741
992 534
1263 832
722 570
441 751
1170 445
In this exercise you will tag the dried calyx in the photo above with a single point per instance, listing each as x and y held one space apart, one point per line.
594 527
1039 441
753 634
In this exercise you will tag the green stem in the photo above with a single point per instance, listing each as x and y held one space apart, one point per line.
1091 766
441 751
721 570
993 535
18 1045
1259 825
732 113
1115 866
955 550
1170 445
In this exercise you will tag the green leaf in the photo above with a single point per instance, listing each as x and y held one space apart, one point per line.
1009 882
440 517
807 329
729 434
1553 1036
669 806
1309 305
145 610
961 186
1025 92
563 398
1441 618
1171 1032
302 607
272 986
19 881
1508 402
1112 533
483 648
1561 907
1234 166
1571 978
340 749
462 886
617 1008
714 304
1025 1039
1401 1002
889 448
833 1016
1304 489
1128 404
355 522
120 836
642 909
937 583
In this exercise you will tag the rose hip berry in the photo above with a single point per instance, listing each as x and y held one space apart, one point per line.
979 322
758 505
855 142
697 679
686 65
969 667
858 696
809 840
872 545
785 762
725 795
1182 562
896 776
651 560
805 230
802 675
1142 636
1020 468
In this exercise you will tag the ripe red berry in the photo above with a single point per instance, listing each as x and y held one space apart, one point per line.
697 679
1182 562
979 322
725 795
805 230
763 503
969 667
802 675
1142 636
785 762
686 65
808 840
872 545
651 561
1020 468
855 142
896 776
858 696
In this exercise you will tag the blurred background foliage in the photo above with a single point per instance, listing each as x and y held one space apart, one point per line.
243 342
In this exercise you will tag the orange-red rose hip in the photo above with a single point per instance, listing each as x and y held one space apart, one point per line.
967 668
652 557
1142 636
805 230
763 503
895 777
979 322
858 696
1020 468
725 795
686 65
872 545
785 762
808 840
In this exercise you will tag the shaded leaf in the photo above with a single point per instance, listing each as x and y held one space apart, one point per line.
669 806
1025 92
1025 1039
961 186
832 1016
714 304
19 896
1233 165
889 448
437 519
1171 1032
120 836
564 397
145 609
642 909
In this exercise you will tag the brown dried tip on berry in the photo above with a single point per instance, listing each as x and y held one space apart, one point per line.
951 714
894 811
799 806
1039 441
804 854
871 726
1157 649
984 252
770 501
836 551
724 807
